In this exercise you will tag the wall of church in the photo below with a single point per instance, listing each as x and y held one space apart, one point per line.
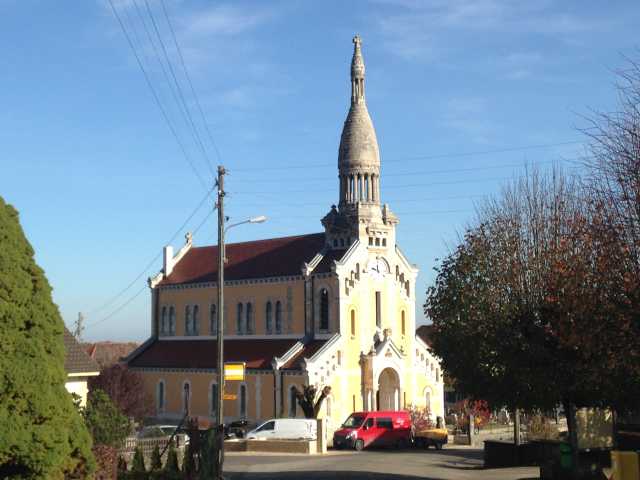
259 390
290 294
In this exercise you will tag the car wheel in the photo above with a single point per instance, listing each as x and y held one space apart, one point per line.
359 445
438 446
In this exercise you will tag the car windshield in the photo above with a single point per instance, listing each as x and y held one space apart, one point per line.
354 421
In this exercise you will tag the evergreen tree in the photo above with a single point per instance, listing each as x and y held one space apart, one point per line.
156 461
122 468
171 468
43 435
189 464
105 422
138 468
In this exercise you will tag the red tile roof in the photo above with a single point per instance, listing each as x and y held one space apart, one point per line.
257 353
107 353
274 257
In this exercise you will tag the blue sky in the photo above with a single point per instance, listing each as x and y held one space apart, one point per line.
456 90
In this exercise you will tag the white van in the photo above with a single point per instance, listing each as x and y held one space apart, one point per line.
285 429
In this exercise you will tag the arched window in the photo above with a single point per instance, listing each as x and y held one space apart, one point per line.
213 319
187 320
292 402
278 317
172 321
239 319
160 397
328 403
357 271
437 374
195 323
403 326
324 309
213 401
268 314
186 397
397 272
353 323
163 321
249 319
406 287
242 398
427 398
339 357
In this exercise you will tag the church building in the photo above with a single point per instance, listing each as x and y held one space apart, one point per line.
333 308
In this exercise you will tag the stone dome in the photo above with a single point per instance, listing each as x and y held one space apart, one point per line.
358 143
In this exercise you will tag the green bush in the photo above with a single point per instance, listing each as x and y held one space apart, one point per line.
41 433
156 461
171 468
138 468
105 422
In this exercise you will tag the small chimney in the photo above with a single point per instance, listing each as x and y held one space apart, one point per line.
168 260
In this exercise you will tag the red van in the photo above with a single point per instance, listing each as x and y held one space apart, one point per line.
364 429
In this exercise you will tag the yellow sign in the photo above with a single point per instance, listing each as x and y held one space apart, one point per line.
234 371
230 396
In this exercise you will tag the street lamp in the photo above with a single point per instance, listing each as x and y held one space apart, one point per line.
222 230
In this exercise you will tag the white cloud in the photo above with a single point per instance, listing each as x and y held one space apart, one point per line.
428 29
225 20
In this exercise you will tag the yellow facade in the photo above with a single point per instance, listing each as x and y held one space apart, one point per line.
347 307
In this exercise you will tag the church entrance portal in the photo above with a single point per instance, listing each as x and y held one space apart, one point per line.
388 394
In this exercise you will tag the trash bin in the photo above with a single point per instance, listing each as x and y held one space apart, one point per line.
566 461
625 465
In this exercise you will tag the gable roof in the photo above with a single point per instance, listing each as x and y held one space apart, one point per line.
273 257
76 359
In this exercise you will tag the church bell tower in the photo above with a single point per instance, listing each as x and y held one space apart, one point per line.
359 214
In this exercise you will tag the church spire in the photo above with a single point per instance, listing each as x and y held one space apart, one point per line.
357 73
358 157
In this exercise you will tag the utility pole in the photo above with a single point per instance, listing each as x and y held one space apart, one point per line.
79 327
220 358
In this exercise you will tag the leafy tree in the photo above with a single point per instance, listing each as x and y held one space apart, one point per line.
171 468
535 291
138 468
105 422
126 389
43 435
307 399
156 461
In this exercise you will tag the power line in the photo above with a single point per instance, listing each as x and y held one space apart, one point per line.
193 91
155 96
426 157
154 259
189 118
137 294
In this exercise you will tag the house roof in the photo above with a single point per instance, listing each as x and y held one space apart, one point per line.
108 353
76 359
327 260
256 353
425 332
273 257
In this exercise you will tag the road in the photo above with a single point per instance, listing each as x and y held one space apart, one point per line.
453 463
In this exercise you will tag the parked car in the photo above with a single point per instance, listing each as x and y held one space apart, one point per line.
285 429
365 429
151 431
238 429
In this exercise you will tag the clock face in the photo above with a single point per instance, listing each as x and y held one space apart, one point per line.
378 267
